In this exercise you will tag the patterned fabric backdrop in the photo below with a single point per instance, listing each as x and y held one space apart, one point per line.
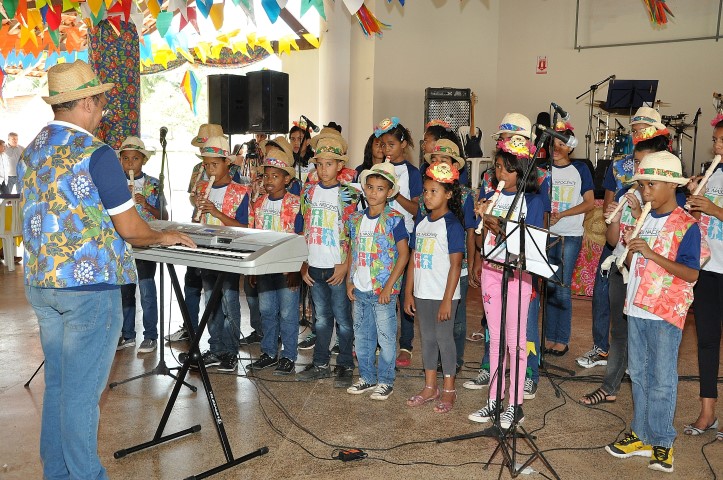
116 58
583 278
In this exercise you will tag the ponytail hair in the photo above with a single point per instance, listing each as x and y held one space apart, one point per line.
518 165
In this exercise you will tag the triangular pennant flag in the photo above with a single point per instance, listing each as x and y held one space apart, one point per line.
153 7
27 34
282 3
34 18
204 6
145 49
108 4
272 9
43 10
313 41
248 7
240 47
216 51
55 37
251 40
95 6
353 5
72 39
163 22
53 18
10 7
190 87
284 46
216 14
203 51
177 5
317 4
70 5
264 43
137 19
190 18
164 56
114 21
123 7
185 54
22 8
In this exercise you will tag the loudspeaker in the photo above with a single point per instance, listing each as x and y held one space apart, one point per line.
228 103
449 104
268 102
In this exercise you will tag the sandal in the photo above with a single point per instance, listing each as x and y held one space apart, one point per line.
695 431
404 359
445 407
477 336
418 400
595 398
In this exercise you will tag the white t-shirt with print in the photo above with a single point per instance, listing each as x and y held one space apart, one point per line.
324 228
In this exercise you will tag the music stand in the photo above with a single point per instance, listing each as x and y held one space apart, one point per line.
624 96
161 368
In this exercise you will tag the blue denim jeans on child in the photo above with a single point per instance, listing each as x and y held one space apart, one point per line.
79 332
653 365
252 298
559 299
279 306
224 326
375 323
149 302
601 305
192 289
331 303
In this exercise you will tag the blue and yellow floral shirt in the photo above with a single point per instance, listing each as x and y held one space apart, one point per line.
70 240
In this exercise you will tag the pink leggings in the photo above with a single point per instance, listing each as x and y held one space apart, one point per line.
492 303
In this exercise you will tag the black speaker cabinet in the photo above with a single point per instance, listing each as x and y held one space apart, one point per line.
268 102
228 103
449 104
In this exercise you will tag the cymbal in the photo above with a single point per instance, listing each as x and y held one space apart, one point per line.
597 103
661 103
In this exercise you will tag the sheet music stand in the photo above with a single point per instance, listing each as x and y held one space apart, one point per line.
625 96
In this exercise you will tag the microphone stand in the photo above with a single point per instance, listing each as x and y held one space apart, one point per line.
161 368
695 139
591 91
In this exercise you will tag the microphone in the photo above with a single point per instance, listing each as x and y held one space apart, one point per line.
310 123
164 131
565 116
570 140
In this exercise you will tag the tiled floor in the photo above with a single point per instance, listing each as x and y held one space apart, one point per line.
304 423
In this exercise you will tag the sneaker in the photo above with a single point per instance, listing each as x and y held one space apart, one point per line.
179 335
229 362
308 342
382 392
593 358
209 359
481 381
313 372
513 415
125 343
251 338
662 459
530 389
343 376
147 345
285 367
361 387
630 446
335 349
264 361
484 414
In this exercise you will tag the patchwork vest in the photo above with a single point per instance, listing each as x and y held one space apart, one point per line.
289 210
70 240
150 191
232 199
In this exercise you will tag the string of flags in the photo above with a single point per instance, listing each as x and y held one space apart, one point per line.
657 10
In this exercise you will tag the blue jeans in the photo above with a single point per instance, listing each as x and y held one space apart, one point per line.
331 303
192 288
559 299
406 334
460 320
533 335
252 298
279 307
224 326
149 302
601 305
374 324
79 332
653 365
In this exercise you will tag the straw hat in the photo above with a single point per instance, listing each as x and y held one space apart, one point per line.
73 81
515 123
137 145
447 148
648 116
595 226
215 147
278 158
206 131
276 143
330 146
326 133
385 170
661 167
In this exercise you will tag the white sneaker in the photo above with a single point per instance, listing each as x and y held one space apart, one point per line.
530 389
512 415
484 414
481 381
178 336
382 392
593 358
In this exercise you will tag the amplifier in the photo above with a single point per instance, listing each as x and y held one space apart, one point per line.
449 104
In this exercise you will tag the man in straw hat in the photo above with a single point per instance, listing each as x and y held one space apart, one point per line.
78 216
664 262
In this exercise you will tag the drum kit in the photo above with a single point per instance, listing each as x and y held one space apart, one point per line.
615 141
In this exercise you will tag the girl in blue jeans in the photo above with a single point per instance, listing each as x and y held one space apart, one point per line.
571 197
379 254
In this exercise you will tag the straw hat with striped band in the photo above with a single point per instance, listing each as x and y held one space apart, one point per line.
206 131
447 148
73 81
278 158
278 142
384 170
215 147
135 144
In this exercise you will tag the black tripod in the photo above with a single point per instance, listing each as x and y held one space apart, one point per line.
161 368
194 356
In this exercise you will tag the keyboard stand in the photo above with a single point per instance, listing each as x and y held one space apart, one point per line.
195 356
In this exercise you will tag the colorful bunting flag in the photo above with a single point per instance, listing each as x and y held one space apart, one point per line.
204 6
317 4
313 41
216 14
163 22
10 6
272 9
369 23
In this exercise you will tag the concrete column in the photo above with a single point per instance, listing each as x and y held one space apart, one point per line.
335 66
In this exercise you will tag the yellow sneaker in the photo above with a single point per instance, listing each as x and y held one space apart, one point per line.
630 446
662 459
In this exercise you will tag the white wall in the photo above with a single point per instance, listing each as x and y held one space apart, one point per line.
303 70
